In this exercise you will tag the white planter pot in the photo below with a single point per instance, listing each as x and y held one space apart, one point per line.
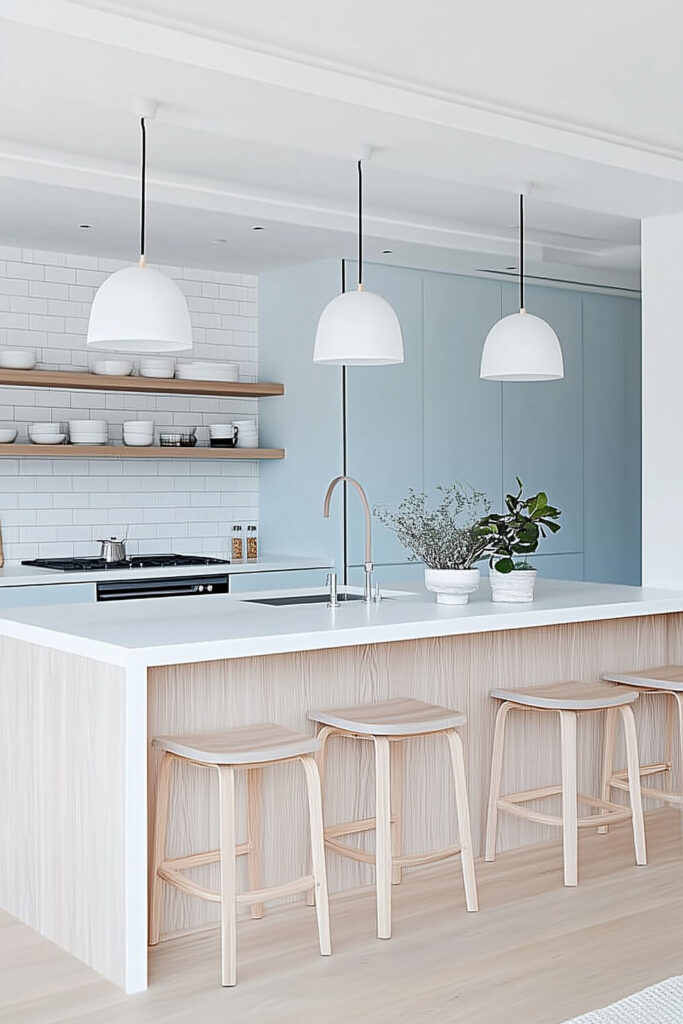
516 587
452 586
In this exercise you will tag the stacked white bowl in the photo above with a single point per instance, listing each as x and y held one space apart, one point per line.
156 366
88 431
46 433
197 369
17 358
138 433
248 433
113 367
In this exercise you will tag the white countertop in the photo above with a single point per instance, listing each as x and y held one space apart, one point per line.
30 575
179 630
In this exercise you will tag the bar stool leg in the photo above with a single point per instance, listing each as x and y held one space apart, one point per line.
633 766
463 812
383 836
494 785
396 773
569 797
678 701
255 859
609 743
156 895
323 734
315 811
226 786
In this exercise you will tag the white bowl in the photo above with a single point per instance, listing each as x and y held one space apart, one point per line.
138 441
46 428
8 435
198 370
145 426
17 358
157 367
47 438
88 425
221 429
113 367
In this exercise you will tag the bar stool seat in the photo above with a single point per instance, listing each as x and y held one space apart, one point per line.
247 749
664 681
568 700
388 724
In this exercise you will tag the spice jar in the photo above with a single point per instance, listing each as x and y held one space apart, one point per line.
237 543
252 543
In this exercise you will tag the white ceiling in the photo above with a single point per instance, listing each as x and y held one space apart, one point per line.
264 107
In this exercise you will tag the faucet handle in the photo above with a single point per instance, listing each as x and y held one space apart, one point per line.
332 584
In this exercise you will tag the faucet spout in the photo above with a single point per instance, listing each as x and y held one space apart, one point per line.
368 526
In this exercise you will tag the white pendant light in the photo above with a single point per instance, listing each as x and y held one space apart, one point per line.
522 347
358 328
139 309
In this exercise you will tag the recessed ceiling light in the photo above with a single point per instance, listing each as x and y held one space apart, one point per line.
85 226
218 241
258 227
387 252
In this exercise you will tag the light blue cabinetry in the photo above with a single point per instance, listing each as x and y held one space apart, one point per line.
432 420
241 583
48 593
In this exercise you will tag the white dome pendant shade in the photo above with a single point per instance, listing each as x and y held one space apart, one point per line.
358 328
139 309
521 346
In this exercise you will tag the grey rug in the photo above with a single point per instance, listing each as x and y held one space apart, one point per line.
661 1004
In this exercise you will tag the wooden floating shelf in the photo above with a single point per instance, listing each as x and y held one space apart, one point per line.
78 381
96 451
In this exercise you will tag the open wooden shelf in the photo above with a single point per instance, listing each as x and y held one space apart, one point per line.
97 451
78 381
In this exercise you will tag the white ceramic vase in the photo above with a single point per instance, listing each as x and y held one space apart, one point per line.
452 586
516 587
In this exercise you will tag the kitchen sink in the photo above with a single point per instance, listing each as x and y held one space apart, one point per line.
303 599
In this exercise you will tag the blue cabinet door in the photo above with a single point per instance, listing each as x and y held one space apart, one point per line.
612 361
543 421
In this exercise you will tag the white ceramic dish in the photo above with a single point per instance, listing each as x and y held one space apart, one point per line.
227 372
157 367
8 435
17 358
113 367
139 426
88 425
138 441
221 429
47 438
45 428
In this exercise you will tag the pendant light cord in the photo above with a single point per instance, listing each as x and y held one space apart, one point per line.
521 251
143 190
360 225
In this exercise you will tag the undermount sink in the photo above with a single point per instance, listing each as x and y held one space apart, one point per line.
303 599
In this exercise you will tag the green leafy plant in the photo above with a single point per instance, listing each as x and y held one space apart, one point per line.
519 530
448 535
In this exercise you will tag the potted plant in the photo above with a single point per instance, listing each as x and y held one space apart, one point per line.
511 537
447 537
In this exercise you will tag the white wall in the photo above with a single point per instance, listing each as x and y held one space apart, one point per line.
59 507
662 286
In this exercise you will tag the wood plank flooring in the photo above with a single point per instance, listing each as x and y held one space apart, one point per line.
536 953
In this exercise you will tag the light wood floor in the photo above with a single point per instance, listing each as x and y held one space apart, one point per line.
536 953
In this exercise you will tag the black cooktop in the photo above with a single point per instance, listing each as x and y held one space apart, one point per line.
134 562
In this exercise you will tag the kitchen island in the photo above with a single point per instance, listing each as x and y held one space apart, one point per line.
84 689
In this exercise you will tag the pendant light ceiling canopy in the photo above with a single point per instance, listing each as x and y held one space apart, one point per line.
522 347
358 328
139 309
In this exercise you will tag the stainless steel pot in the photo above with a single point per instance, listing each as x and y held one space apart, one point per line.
113 550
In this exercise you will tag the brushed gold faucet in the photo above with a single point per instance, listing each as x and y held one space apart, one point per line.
367 593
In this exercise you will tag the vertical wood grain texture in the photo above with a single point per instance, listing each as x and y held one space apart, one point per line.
453 671
62 797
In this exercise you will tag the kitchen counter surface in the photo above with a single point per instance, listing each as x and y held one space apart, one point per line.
180 630
29 575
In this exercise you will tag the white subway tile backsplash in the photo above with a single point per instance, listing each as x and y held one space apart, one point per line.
60 507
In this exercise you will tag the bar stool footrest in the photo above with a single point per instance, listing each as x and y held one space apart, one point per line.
619 780
171 871
612 813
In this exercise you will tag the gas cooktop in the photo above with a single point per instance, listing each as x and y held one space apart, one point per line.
134 562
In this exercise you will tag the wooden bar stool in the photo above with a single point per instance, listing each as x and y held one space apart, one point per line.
387 724
568 700
250 749
666 681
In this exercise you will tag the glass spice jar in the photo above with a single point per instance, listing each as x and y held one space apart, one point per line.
252 543
237 543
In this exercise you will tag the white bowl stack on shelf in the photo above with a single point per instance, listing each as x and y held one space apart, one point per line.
8 435
138 433
247 436
88 431
156 366
198 370
113 367
17 358
46 433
